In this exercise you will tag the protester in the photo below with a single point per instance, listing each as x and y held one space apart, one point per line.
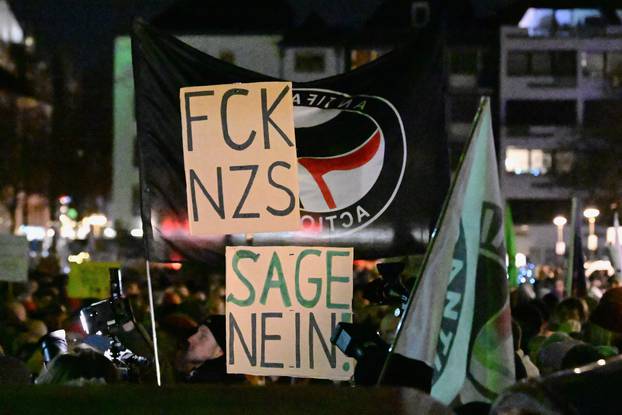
205 357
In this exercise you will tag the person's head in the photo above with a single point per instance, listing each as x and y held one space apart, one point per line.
608 312
15 313
530 321
86 367
217 300
570 309
208 342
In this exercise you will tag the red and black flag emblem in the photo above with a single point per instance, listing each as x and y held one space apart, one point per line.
372 154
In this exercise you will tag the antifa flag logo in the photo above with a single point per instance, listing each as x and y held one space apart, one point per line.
343 144
372 155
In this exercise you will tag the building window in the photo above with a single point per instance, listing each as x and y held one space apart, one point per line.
540 112
614 67
518 63
593 64
535 162
564 63
463 108
563 161
309 62
359 57
542 63
227 56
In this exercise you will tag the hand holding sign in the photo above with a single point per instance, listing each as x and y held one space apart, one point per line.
240 158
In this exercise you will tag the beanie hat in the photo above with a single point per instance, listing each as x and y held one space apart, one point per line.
608 312
216 324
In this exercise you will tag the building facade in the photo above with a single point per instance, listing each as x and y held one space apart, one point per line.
560 70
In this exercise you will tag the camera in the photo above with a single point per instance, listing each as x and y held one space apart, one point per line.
362 342
364 345
130 346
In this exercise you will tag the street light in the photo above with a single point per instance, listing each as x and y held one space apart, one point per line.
592 240
560 245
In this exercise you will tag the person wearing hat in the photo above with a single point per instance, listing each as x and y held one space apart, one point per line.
206 354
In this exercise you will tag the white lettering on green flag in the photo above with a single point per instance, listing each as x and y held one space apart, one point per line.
458 319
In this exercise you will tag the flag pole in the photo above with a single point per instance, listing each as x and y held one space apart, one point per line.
617 243
439 222
571 252
153 326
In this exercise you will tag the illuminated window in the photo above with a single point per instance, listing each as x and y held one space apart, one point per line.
309 62
535 162
516 160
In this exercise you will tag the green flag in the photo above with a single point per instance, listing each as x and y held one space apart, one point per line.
458 316
510 243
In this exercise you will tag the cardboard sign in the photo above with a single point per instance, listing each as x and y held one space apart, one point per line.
90 280
13 258
283 304
240 158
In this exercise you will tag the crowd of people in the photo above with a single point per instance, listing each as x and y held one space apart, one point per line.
189 311
552 331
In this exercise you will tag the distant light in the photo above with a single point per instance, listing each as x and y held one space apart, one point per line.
577 370
591 213
174 265
611 235
83 231
97 219
80 258
592 242
600 362
110 233
520 260
397 312
64 199
29 41
136 233
560 221
72 213
50 233
33 233
560 248
67 231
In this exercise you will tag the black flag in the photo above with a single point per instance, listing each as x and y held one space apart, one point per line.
371 148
